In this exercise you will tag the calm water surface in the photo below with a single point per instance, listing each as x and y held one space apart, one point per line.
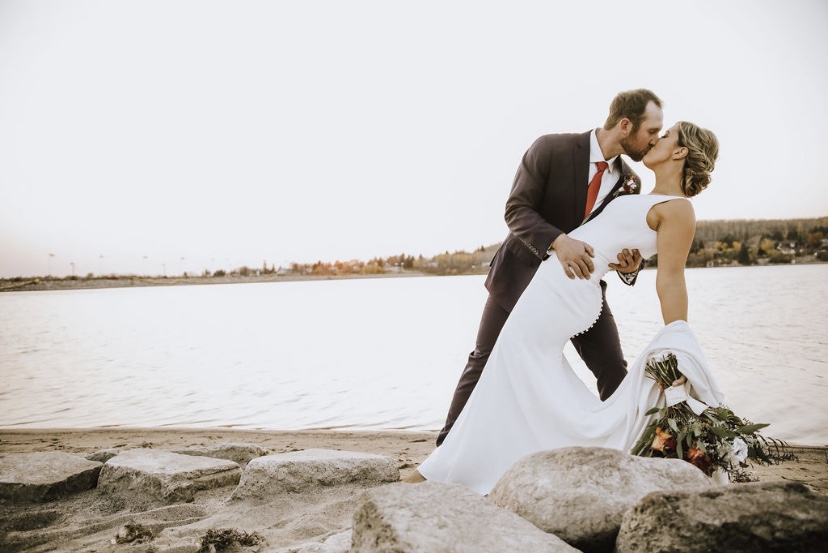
370 354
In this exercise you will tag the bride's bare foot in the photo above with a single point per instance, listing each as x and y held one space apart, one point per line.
414 478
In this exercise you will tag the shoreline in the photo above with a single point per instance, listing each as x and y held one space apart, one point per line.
45 284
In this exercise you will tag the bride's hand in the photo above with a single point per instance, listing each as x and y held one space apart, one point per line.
575 256
681 381
628 261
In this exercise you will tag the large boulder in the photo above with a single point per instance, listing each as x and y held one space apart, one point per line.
442 518
165 476
299 471
35 477
580 494
764 516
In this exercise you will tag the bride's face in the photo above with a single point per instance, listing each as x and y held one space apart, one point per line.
664 149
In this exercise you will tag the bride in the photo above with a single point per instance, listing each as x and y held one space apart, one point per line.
529 399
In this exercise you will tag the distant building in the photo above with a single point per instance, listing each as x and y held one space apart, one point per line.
788 248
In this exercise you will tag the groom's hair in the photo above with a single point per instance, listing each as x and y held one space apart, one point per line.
630 104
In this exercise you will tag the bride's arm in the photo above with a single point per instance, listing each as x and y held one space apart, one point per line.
676 227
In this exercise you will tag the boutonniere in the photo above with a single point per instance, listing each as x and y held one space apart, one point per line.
629 186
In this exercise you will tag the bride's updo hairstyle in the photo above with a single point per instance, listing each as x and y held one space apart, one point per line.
703 149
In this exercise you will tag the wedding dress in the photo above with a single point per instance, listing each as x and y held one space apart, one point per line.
529 399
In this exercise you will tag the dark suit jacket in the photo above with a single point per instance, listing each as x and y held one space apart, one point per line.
548 198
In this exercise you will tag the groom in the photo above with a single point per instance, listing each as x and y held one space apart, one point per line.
552 194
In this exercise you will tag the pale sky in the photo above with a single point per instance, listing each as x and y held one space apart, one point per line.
136 135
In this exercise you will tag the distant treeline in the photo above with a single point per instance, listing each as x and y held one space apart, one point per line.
749 242
777 229
716 243
457 263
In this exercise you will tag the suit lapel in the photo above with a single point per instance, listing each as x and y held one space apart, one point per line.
581 171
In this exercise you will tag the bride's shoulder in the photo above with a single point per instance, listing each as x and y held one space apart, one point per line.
676 211
680 204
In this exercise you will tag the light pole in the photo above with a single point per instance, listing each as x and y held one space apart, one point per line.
72 263
49 270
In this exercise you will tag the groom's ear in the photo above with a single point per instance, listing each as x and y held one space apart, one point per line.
625 125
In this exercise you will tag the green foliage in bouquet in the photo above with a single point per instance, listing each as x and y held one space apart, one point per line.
717 438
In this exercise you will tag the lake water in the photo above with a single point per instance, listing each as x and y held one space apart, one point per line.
370 354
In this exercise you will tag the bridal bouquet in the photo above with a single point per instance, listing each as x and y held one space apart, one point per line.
710 438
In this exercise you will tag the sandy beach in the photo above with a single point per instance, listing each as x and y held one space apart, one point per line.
39 284
89 521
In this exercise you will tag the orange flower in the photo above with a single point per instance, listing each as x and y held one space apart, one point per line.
664 442
699 459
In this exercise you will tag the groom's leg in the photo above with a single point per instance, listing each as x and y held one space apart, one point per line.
491 323
600 348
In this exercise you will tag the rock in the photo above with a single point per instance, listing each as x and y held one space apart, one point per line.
763 516
103 455
580 494
338 543
298 471
442 518
36 477
165 476
238 453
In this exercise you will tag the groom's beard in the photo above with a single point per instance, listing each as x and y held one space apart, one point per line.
635 154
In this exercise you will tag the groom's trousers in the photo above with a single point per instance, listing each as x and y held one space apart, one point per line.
599 347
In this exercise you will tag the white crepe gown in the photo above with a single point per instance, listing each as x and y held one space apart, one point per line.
529 399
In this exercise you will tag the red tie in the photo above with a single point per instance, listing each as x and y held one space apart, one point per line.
594 186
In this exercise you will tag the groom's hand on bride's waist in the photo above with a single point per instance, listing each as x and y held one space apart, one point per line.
575 256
